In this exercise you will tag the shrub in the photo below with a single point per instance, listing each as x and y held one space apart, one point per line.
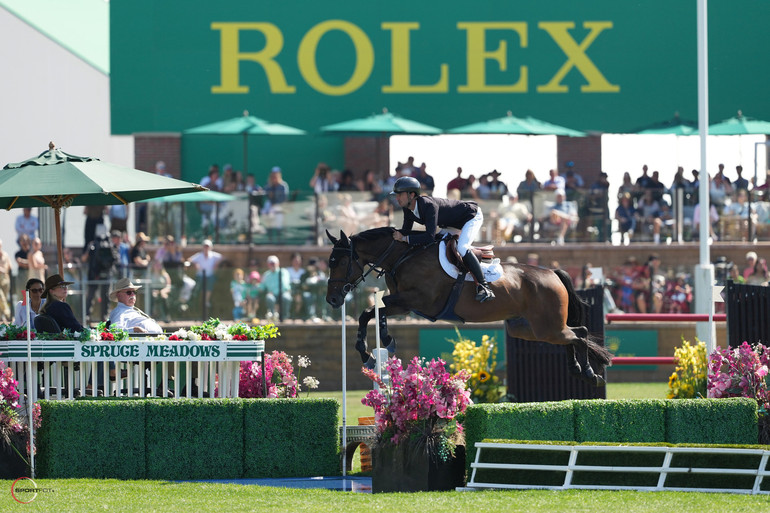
689 377
620 421
724 421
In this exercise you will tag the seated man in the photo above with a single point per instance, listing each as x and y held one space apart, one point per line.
127 316
562 215
514 218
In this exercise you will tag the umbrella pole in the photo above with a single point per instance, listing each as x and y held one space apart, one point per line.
245 154
57 223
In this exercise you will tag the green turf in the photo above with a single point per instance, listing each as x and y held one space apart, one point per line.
130 496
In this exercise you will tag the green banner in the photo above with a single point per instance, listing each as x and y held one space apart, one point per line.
591 65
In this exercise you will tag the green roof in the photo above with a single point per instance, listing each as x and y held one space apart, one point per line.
80 26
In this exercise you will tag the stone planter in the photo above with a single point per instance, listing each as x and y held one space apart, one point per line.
408 468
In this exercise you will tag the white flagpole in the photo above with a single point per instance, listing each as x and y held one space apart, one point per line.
344 399
30 405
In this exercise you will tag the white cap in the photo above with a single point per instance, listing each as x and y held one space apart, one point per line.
207 242
272 259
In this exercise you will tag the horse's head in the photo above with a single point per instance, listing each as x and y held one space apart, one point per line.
344 269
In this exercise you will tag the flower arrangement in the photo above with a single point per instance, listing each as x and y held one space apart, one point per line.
279 377
14 332
480 362
13 424
111 333
689 378
741 372
420 402
214 329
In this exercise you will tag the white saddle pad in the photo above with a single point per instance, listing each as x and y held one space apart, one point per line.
492 270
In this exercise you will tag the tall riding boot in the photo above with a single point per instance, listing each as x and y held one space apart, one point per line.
483 292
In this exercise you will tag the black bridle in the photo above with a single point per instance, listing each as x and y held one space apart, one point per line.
353 257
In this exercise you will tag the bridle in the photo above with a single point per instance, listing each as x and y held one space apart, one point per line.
353 257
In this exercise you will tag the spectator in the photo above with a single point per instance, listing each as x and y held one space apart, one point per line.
94 217
171 257
121 240
426 181
751 260
102 258
760 275
625 214
347 182
276 284
161 289
238 291
277 193
555 182
649 214
515 218
5 284
118 217
528 187
252 291
740 183
679 296
206 262
22 254
207 208
321 182
713 218
36 260
296 275
138 257
35 289
126 315
373 186
470 191
55 306
459 183
562 215
735 274
627 187
26 224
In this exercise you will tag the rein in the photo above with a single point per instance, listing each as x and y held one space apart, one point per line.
353 257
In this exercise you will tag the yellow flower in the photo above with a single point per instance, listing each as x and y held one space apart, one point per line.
484 376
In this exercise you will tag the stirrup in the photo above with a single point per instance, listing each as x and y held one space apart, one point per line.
484 293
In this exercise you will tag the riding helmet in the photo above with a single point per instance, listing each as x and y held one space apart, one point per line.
406 184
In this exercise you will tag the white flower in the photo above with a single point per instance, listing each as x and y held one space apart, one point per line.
191 335
310 382
304 362
181 333
221 333
2 331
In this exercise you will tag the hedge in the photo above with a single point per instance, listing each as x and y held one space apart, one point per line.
188 438
696 421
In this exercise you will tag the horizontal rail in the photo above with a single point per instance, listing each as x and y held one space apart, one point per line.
637 317
644 360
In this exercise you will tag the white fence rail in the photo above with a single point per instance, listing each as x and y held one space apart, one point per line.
65 369
760 471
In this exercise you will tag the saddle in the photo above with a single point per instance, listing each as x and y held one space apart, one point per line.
483 253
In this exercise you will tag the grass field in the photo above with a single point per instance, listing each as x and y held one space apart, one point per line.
139 496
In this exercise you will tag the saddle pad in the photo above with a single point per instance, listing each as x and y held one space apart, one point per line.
492 270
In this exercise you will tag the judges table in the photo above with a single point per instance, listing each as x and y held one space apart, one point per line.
143 367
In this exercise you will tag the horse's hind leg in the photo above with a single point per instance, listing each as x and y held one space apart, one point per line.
581 346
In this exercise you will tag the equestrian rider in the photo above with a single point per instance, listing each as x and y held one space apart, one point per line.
441 213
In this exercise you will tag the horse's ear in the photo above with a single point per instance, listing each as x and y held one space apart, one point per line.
344 239
331 238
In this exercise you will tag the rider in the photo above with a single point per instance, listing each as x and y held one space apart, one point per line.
437 212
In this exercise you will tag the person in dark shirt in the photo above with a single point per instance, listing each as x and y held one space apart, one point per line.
55 295
436 213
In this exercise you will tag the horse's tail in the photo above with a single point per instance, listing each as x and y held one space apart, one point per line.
599 356
576 308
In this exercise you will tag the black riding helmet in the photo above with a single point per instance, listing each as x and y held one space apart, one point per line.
406 184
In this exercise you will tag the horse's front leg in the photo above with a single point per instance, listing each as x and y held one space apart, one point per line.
363 322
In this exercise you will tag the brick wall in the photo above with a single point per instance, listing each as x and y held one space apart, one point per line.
362 153
585 152
150 148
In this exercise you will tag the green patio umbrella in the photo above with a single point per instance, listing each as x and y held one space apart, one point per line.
380 126
511 124
57 179
673 126
244 125
384 124
740 125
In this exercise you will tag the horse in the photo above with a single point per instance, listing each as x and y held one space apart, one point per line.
536 304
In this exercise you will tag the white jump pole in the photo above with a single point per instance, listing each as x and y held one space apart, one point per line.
344 399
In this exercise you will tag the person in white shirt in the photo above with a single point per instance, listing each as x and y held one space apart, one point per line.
206 262
126 315
35 288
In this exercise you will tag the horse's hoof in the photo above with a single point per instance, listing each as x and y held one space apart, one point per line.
391 346
370 363
599 381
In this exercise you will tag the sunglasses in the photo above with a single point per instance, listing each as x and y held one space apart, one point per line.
129 292
36 291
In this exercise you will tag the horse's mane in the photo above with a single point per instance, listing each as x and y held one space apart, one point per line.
374 234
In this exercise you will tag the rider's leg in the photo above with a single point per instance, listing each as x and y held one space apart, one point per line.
464 240
483 292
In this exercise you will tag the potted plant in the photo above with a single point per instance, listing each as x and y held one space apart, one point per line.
420 444
14 430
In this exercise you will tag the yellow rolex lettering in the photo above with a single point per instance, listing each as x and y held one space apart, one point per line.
477 53
576 57
400 77
306 58
231 57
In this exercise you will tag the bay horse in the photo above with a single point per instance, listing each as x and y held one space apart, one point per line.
536 304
